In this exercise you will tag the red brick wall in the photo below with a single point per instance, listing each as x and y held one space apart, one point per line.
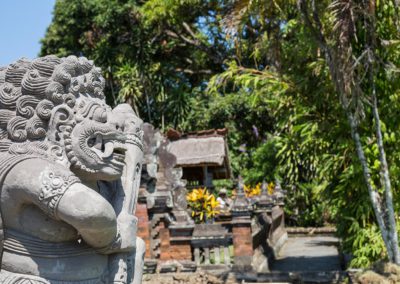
178 251
164 244
143 226
243 246
242 240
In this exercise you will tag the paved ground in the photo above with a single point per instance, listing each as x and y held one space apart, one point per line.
317 253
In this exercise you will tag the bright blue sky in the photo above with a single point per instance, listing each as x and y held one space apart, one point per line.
22 24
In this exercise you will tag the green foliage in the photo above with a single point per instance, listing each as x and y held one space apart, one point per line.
250 66
264 162
131 88
307 206
156 55
365 255
227 184
173 12
309 144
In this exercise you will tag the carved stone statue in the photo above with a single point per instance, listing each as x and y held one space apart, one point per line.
69 175
162 180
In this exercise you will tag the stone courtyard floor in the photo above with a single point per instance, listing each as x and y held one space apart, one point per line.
314 253
302 259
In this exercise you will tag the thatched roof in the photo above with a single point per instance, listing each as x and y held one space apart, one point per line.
202 148
199 151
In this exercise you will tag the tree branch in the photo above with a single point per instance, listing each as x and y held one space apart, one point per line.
188 29
191 72
195 42
302 6
171 34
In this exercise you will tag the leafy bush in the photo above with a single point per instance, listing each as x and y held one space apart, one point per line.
203 204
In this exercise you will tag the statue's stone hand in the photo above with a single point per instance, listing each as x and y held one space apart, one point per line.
127 227
125 240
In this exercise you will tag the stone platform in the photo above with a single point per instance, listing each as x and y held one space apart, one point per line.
304 253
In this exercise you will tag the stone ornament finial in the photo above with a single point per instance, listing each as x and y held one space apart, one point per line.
69 176
240 205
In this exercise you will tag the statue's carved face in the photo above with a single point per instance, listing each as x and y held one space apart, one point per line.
57 105
96 146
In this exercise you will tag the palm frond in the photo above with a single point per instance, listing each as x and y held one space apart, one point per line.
235 14
344 12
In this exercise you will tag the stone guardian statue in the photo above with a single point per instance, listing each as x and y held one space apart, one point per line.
69 174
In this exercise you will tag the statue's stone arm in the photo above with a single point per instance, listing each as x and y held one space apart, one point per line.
62 196
91 215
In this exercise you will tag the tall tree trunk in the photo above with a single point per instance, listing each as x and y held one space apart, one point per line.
387 227
370 26
373 194
391 218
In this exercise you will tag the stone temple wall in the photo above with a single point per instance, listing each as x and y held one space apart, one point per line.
246 238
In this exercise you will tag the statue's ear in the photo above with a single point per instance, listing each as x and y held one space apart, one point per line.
58 154
62 120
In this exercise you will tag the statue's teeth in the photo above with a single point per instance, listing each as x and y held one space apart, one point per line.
99 142
109 148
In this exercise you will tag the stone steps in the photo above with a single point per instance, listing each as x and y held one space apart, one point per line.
304 259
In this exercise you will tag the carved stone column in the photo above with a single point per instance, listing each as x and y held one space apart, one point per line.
165 195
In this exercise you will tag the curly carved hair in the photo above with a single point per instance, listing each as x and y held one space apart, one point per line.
31 90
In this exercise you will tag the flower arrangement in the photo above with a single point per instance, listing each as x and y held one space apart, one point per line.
203 204
271 188
256 190
252 191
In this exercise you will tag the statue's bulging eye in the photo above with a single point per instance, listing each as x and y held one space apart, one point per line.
91 141
100 115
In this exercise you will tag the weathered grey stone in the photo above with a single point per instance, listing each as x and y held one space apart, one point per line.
264 202
241 206
162 180
69 175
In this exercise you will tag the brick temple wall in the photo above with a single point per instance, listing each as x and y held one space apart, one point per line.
181 250
143 226
243 245
174 250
